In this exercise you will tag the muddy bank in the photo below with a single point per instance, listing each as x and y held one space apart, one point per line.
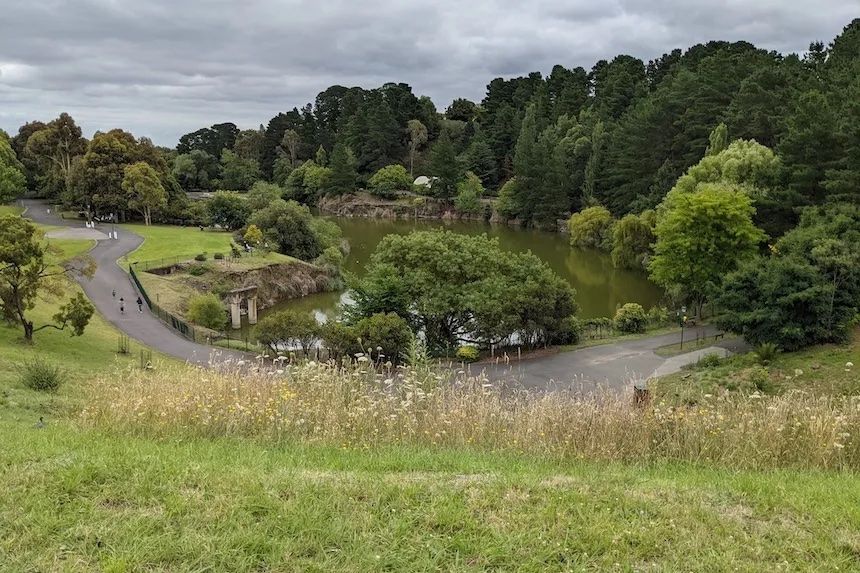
284 281
408 206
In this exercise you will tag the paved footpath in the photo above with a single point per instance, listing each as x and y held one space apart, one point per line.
612 366
144 327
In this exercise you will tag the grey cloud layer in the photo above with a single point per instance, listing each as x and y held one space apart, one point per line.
164 67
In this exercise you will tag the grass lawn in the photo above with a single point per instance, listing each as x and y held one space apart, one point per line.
821 370
10 210
81 500
165 242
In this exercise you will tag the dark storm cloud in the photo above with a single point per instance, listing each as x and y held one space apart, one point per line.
164 67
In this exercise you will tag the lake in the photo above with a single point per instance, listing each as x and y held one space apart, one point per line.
600 287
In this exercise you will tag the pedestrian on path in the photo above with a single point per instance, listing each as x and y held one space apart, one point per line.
121 305
113 293
139 304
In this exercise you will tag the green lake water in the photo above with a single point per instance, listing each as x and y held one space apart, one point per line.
600 287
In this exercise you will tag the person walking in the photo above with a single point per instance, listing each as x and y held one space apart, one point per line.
113 293
140 305
121 305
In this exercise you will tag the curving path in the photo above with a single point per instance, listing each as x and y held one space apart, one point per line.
144 327
609 366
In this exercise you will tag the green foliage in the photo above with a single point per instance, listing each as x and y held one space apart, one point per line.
290 228
701 237
342 177
331 257
766 352
711 360
383 335
237 174
469 192
308 181
253 235
631 318
340 339
807 292
505 204
592 228
286 330
144 189
444 168
41 375
262 194
456 288
228 210
632 238
13 182
467 353
207 311
389 180
196 170
218 256
568 331
75 313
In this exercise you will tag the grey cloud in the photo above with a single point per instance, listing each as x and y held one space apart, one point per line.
161 68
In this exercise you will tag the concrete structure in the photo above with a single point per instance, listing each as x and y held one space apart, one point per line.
248 295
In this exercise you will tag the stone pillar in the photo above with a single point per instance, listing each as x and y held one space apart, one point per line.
252 309
235 315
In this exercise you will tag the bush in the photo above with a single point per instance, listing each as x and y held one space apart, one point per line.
710 361
591 228
340 339
389 180
467 353
197 270
766 352
384 335
469 191
568 332
658 315
201 257
207 311
218 256
759 377
288 329
41 375
330 257
631 318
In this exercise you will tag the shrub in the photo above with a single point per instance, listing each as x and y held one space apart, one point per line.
467 353
235 251
759 377
331 257
340 339
469 191
197 270
766 352
207 311
390 179
631 318
201 257
591 228
710 360
568 332
288 329
253 235
384 335
218 256
658 315
41 375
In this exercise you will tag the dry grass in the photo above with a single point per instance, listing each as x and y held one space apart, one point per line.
358 407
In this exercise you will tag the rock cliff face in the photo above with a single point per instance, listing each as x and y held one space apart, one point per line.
279 282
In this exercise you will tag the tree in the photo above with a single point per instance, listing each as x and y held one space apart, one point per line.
290 143
253 235
287 225
479 159
144 190
343 174
718 140
632 238
286 330
249 144
229 210
389 180
631 318
13 182
444 168
321 157
454 289
469 192
701 237
55 149
263 194
207 311
25 276
461 109
383 336
417 138
591 228
196 170
237 174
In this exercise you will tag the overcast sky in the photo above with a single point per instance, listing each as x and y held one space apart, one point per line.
161 68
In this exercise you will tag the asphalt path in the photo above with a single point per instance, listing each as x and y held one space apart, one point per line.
144 326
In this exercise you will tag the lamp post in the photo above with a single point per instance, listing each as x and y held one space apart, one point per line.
683 322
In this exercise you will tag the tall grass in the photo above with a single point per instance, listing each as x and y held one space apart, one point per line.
359 407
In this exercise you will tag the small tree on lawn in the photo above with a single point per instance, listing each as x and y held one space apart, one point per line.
253 236
25 275
286 329
207 311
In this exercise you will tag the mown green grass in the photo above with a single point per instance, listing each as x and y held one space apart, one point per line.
81 500
820 370
10 210
166 242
